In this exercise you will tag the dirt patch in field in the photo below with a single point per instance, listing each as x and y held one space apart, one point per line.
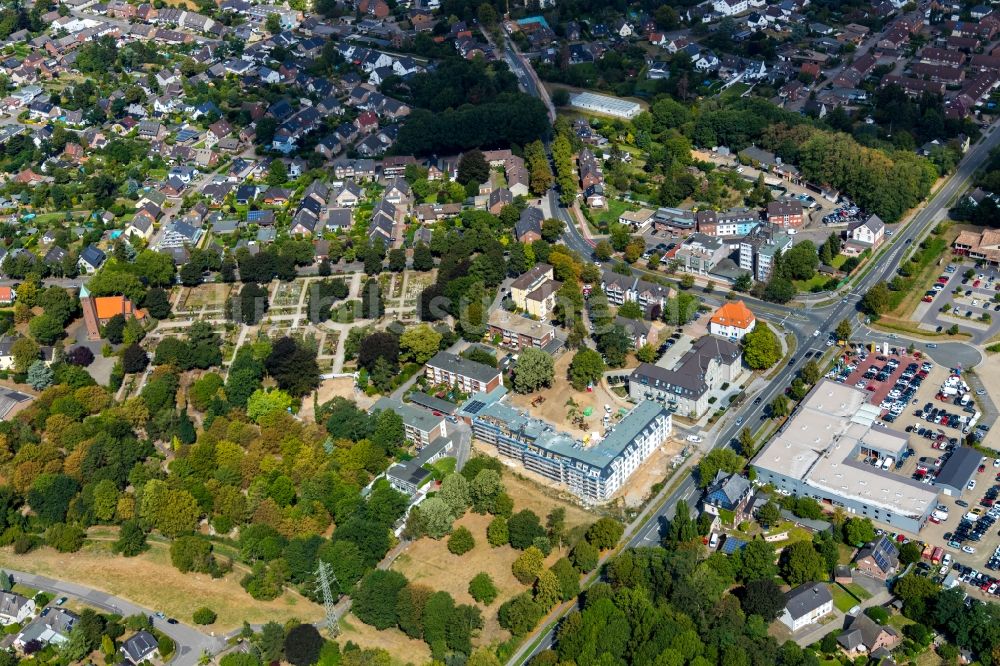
556 410
174 593
329 389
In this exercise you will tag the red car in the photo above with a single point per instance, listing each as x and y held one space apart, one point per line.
934 520
982 468
976 283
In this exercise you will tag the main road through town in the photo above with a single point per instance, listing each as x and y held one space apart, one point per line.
809 328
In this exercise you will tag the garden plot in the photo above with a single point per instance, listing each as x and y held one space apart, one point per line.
204 297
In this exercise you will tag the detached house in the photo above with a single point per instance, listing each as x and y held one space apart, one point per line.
729 495
732 320
865 636
806 604
879 559
14 608
867 235
91 259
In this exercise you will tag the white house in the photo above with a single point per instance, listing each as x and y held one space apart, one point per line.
806 604
730 7
14 608
869 233
733 321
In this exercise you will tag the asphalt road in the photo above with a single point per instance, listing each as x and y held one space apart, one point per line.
809 327
190 642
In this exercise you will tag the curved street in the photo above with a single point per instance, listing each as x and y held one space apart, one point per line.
191 642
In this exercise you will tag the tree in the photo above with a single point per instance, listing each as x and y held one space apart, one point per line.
800 563
482 588
131 539
743 282
114 329
681 529
261 403
157 303
800 261
523 527
586 368
552 229
484 490
461 541
605 533
909 553
293 366
843 331
779 290
419 343
40 375
584 556
473 168
527 565
810 372
756 561
725 460
277 173
437 517
769 514
497 533
762 597
303 645
778 407
134 359
877 300
534 370
374 600
50 496
761 347
25 352
858 531
455 493
80 355
204 615
397 260
520 614
46 329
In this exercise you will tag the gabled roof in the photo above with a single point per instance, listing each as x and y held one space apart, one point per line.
735 313
806 598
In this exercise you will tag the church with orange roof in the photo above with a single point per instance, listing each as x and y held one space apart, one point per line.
97 310
732 321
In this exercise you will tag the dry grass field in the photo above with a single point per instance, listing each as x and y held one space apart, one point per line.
402 648
174 593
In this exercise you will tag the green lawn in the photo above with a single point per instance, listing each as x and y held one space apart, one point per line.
816 281
846 553
734 91
858 591
614 211
838 261
842 600
442 468
899 621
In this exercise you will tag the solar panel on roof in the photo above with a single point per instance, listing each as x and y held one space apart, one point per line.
732 544
474 406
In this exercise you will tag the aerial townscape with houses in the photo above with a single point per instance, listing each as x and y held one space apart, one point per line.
499 332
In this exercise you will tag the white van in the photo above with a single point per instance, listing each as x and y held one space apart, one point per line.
713 541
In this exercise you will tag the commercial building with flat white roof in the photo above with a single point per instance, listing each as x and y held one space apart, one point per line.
826 449
611 106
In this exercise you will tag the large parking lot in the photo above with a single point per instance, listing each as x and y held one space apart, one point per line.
924 399
966 298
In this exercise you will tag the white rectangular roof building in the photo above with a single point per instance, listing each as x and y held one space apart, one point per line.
605 104
820 445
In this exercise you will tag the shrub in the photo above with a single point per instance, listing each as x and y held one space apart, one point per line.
204 615
482 589
461 541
